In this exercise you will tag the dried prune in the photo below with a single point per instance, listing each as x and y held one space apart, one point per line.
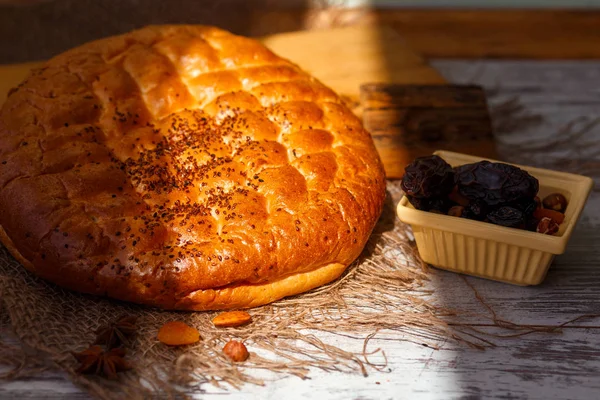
434 204
439 204
476 209
507 216
419 204
428 177
526 205
495 184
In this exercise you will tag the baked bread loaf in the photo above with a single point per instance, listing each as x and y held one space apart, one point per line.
184 167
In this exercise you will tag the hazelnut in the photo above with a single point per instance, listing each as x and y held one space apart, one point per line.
456 211
236 351
547 226
556 202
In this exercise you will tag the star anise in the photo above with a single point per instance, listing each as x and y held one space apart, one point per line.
117 333
94 360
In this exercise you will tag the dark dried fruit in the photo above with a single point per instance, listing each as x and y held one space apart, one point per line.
496 193
507 216
526 205
458 198
428 177
419 204
495 184
547 226
476 209
531 224
556 202
456 211
440 205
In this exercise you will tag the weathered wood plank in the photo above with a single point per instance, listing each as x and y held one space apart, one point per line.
536 366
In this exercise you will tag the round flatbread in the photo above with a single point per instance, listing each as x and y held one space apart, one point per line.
184 167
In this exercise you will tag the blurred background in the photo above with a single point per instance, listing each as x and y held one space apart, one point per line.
32 30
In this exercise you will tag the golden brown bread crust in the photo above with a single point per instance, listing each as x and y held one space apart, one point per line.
186 168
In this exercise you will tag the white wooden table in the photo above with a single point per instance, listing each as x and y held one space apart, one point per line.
564 365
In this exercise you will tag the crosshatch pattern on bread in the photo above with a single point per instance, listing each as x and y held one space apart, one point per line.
186 168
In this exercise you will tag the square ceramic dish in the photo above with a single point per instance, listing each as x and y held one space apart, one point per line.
490 251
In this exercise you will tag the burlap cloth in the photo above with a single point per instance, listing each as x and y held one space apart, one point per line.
380 291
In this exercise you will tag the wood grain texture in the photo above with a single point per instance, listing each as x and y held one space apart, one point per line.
538 366
478 33
542 34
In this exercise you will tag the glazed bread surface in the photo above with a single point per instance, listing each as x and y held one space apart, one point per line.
184 167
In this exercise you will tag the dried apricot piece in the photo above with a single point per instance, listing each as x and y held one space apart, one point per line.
231 319
556 216
177 333
236 351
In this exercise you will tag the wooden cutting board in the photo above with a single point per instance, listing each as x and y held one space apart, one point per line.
345 58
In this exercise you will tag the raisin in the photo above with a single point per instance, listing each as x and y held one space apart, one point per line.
428 177
507 216
496 184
